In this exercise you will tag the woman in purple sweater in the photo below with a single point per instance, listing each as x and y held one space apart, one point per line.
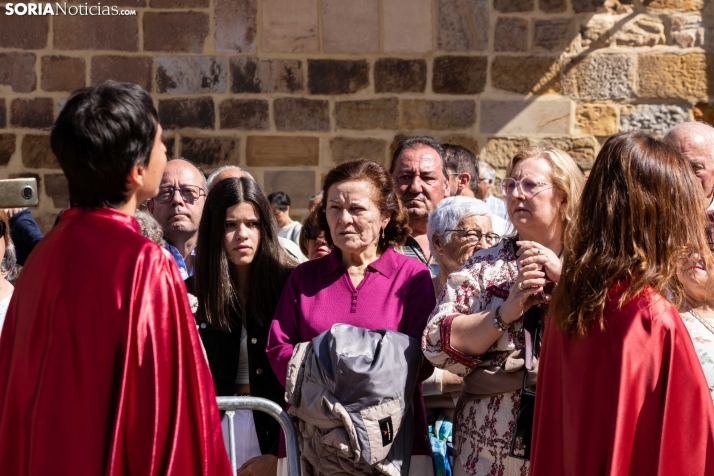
362 282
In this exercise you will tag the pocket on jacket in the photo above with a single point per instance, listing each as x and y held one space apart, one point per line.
382 423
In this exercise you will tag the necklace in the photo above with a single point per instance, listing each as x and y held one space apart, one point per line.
699 318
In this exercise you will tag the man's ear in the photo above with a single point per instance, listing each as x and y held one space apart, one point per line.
464 180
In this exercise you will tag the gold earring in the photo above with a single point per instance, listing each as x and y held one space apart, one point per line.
382 232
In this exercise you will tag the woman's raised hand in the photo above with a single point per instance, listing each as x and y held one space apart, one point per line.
531 252
526 292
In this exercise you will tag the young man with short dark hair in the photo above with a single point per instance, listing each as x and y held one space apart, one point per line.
101 368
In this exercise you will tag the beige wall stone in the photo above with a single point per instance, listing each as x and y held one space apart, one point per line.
409 26
597 119
350 27
673 75
290 26
534 116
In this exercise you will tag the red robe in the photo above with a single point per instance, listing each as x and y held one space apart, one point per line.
629 400
101 369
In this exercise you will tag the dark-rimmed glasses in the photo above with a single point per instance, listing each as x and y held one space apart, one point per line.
189 193
474 236
526 186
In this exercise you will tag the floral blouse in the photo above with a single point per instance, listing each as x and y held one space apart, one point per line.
703 340
482 283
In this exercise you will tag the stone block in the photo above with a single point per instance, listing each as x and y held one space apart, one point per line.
3 113
7 148
236 25
119 33
673 76
180 113
581 149
553 35
298 114
248 114
62 73
369 114
180 3
298 184
170 143
290 26
409 26
597 119
348 148
681 5
653 118
607 76
536 74
500 150
597 31
37 153
688 31
175 31
512 6
211 152
643 30
37 113
17 70
28 32
531 116
582 6
326 76
511 34
553 6
464 141
459 74
350 27
282 151
704 112
191 74
252 75
130 69
463 25
437 115
394 75
57 189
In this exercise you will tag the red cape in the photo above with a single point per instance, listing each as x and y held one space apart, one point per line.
629 400
101 369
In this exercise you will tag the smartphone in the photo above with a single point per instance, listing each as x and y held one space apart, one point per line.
18 193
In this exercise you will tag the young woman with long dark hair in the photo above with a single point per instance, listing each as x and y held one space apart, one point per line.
239 276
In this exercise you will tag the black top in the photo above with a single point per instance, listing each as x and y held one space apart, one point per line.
223 351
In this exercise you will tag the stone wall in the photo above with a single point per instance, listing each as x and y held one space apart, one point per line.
289 88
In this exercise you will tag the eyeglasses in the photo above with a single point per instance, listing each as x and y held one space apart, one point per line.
189 193
474 236
527 187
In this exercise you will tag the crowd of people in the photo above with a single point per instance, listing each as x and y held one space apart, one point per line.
565 329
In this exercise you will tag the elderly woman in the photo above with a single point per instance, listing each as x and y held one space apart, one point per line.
363 282
696 278
620 390
478 327
7 251
457 227
313 242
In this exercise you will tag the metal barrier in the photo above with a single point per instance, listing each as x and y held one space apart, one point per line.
231 404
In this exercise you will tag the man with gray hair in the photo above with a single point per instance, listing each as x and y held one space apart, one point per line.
420 178
695 141
483 190
178 208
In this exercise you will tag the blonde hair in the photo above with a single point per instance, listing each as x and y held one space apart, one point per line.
566 177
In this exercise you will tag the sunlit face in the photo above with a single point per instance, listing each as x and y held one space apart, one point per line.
419 179
698 150
242 238
353 217
540 211
483 188
458 249
179 215
694 275
317 247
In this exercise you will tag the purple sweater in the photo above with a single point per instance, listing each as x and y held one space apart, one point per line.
396 293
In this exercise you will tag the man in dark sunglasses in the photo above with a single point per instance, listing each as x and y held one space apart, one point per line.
178 208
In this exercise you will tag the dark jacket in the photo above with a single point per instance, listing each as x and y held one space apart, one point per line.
25 234
223 351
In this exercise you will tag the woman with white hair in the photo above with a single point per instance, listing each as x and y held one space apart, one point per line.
457 227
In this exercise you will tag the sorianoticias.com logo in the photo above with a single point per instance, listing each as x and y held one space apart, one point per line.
64 9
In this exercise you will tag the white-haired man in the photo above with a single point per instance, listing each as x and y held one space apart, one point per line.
695 141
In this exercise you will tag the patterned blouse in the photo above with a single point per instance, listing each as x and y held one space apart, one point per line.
703 340
483 426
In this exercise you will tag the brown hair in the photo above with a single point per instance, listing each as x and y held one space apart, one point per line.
386 199
641 207
309 226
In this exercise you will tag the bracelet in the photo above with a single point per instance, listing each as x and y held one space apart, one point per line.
498 322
